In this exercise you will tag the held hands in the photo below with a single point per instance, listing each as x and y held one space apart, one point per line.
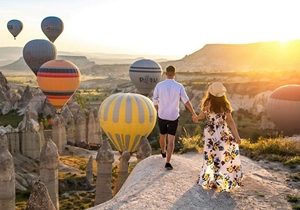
195 118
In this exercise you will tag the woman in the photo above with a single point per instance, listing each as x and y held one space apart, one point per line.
221 169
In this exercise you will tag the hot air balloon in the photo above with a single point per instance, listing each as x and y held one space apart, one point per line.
14 27
126 118
145 74
52 27
37 52
283 108
58 79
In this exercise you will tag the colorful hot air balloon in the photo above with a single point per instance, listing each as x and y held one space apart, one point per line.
52 27
14 27
126 118
37 52
283 108
145 74
58 79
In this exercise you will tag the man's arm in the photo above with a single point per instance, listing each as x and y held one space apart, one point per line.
155 98
189 106
156 107
185 99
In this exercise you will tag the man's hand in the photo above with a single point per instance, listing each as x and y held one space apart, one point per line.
195 118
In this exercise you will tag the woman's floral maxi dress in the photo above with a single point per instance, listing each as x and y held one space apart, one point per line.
222 165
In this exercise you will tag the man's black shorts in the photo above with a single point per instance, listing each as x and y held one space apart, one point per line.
167 126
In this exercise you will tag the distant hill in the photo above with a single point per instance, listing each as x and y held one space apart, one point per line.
264 56
81 61
241 57
9 54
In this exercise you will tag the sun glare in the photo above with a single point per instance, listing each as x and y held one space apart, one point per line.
171 27
284 43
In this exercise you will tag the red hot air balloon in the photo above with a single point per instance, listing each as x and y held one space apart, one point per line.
58 79
283 108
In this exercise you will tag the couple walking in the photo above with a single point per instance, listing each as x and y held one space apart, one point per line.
221 169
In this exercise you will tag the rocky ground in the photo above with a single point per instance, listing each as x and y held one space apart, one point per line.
150 186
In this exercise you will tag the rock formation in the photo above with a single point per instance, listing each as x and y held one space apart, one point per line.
144 149
39 198
5 104
89 170
74 107
149 186
67 114
92 134
7 176
49 161
98 129
123 170
30 137
47 109
14 99
105 159
80 131
14 142
71 132
25 98
59 135
3 82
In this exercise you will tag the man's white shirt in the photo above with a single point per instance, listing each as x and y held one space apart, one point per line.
167 95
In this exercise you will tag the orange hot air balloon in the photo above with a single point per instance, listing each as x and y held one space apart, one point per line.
58 79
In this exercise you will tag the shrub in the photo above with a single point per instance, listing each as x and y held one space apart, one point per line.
277 149
294 200
12 118
191 143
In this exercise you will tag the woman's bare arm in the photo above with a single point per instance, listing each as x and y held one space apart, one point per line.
201 116
232 127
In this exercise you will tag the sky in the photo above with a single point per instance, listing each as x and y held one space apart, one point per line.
167 28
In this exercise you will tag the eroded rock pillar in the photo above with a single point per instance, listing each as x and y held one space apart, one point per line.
49 161
105 159
7 176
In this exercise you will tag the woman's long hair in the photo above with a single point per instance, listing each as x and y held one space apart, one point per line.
215 104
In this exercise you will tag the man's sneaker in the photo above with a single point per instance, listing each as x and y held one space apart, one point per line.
168 166
163 154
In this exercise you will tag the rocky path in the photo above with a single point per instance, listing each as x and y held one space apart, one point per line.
150 186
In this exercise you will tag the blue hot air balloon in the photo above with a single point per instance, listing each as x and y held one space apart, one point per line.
37 52
52 27
14 27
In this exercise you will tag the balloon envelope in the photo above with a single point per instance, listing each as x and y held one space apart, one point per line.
145 74
14 27
126 118
37 52
283 108
58 79
52 27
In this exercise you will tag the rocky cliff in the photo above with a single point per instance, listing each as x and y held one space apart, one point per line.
150 186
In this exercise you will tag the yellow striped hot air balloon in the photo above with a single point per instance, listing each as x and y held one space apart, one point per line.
58 79
126 118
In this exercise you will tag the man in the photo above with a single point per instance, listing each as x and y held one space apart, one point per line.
166 97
